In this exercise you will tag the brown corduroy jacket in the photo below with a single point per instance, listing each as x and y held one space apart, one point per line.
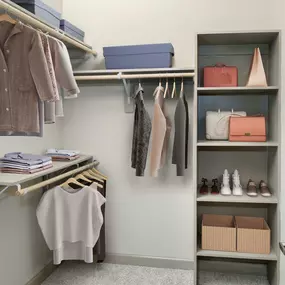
24 78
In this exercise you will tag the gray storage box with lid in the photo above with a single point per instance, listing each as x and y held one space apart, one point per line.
139 56
72 30
41 10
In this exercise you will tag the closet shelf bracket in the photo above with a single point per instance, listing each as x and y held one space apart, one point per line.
128 99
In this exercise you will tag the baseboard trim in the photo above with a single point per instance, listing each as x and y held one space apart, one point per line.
43 274
150 261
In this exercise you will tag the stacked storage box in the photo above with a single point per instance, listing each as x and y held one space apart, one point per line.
241 234
41 10
72 30
139 56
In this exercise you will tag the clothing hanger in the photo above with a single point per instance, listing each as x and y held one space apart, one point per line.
166 91
82 177
72 181
85 173
7 18
174 94
182 86
99 173
92 175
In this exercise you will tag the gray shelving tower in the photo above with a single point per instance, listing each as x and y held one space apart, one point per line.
253 160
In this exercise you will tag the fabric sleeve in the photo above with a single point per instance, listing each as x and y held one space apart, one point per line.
64 72
45 216
39 70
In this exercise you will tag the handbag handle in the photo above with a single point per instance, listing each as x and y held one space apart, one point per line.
219 64
223 118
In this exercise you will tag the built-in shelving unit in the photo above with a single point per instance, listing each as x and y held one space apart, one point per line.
257 161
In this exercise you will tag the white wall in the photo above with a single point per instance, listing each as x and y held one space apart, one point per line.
56 4
150 217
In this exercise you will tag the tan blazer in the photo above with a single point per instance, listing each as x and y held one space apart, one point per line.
161 129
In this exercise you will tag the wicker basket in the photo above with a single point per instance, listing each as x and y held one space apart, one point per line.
218 233
253 235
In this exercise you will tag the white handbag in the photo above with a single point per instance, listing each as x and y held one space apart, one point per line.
217 123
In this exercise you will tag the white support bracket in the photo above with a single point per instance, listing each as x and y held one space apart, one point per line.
129 105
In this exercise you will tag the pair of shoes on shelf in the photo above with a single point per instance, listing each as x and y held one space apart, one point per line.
226 188
204 189
263 188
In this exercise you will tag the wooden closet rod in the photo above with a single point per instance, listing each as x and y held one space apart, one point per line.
22 192
134 76
31 19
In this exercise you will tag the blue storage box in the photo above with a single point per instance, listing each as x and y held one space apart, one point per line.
72 30
139 56
41 10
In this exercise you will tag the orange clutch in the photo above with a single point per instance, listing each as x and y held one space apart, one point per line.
247 129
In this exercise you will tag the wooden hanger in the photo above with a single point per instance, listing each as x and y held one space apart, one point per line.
174 93
99 173
5 17
182 87
166 91
72 181
92 175
82 177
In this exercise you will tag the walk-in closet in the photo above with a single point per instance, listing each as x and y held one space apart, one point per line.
142 142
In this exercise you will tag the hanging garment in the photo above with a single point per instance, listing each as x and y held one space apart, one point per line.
24 78
141 134
70 221
161 128
50 65
64 77
63 67
181 137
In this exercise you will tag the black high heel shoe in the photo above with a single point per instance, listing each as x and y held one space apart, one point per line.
204 189
215 188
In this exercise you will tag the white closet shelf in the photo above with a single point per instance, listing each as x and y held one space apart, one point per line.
29 18
237 255
7 179
206 143
236 199
270 90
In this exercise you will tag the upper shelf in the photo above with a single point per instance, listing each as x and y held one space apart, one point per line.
7 179
209 143
29 18
237 90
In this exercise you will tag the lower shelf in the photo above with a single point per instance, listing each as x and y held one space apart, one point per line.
236 255
236 199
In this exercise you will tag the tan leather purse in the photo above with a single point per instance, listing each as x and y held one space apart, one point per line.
247 129
257 76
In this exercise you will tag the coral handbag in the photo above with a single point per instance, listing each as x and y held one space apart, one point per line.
220 75
247 129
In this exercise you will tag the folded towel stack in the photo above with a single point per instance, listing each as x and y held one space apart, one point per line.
24 163
62 154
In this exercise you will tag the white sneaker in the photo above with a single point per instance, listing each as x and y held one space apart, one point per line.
225 188
237 189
